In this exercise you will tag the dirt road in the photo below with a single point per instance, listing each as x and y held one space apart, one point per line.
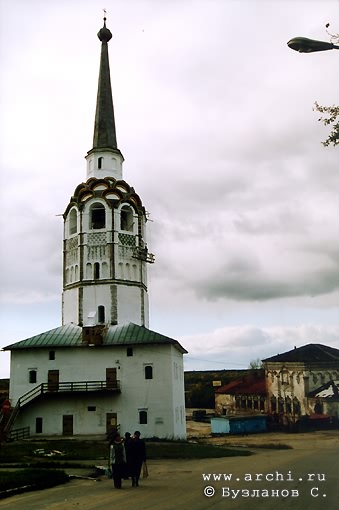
303 477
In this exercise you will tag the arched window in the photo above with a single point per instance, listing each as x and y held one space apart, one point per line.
97 216
72 222
288 405
88 271
126 218
284 374
96 270
273 404
142 417
104 270
280 405
296 406
318 408
148 372
101 314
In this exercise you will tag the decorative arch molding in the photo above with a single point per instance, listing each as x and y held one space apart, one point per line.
110 194
113 191
84 195
71 205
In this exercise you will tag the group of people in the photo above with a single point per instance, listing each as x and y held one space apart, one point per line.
127 456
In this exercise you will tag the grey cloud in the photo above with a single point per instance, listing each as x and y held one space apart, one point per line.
242 344
242 284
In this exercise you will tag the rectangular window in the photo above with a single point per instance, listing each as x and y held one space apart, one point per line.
51 355
91 408
129 351
32 376
148 372
38 425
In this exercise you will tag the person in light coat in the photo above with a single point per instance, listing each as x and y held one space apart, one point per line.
117 460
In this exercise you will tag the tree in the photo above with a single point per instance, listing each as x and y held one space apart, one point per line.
331 111
333 118
255 364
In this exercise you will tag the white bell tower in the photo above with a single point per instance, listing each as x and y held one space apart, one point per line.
105 250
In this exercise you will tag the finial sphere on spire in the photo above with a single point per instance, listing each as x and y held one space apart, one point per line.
104 34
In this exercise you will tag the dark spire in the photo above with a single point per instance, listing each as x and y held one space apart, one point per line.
104 126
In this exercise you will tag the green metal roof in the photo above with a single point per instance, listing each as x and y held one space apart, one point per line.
70 335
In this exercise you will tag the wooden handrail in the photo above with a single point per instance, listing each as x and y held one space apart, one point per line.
57 388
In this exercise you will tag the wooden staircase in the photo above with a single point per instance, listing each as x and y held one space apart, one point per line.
47 389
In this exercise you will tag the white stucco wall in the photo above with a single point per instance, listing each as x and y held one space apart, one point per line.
130 305
70 299
162 396
94 296
111 164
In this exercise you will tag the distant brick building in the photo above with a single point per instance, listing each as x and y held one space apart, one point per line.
245 395
298 382
303 382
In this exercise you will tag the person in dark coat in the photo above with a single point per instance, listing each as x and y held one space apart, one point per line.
117 460
137 455
127 444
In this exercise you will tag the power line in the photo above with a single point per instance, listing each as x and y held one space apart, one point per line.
212 361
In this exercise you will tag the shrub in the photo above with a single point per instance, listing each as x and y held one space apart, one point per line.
32 479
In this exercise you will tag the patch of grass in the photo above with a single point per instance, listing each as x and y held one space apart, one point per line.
191 451
30 479
272 446
47 464
21 453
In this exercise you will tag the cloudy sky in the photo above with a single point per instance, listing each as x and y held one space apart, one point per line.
214 118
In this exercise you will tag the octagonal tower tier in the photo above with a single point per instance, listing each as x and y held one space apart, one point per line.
105 250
